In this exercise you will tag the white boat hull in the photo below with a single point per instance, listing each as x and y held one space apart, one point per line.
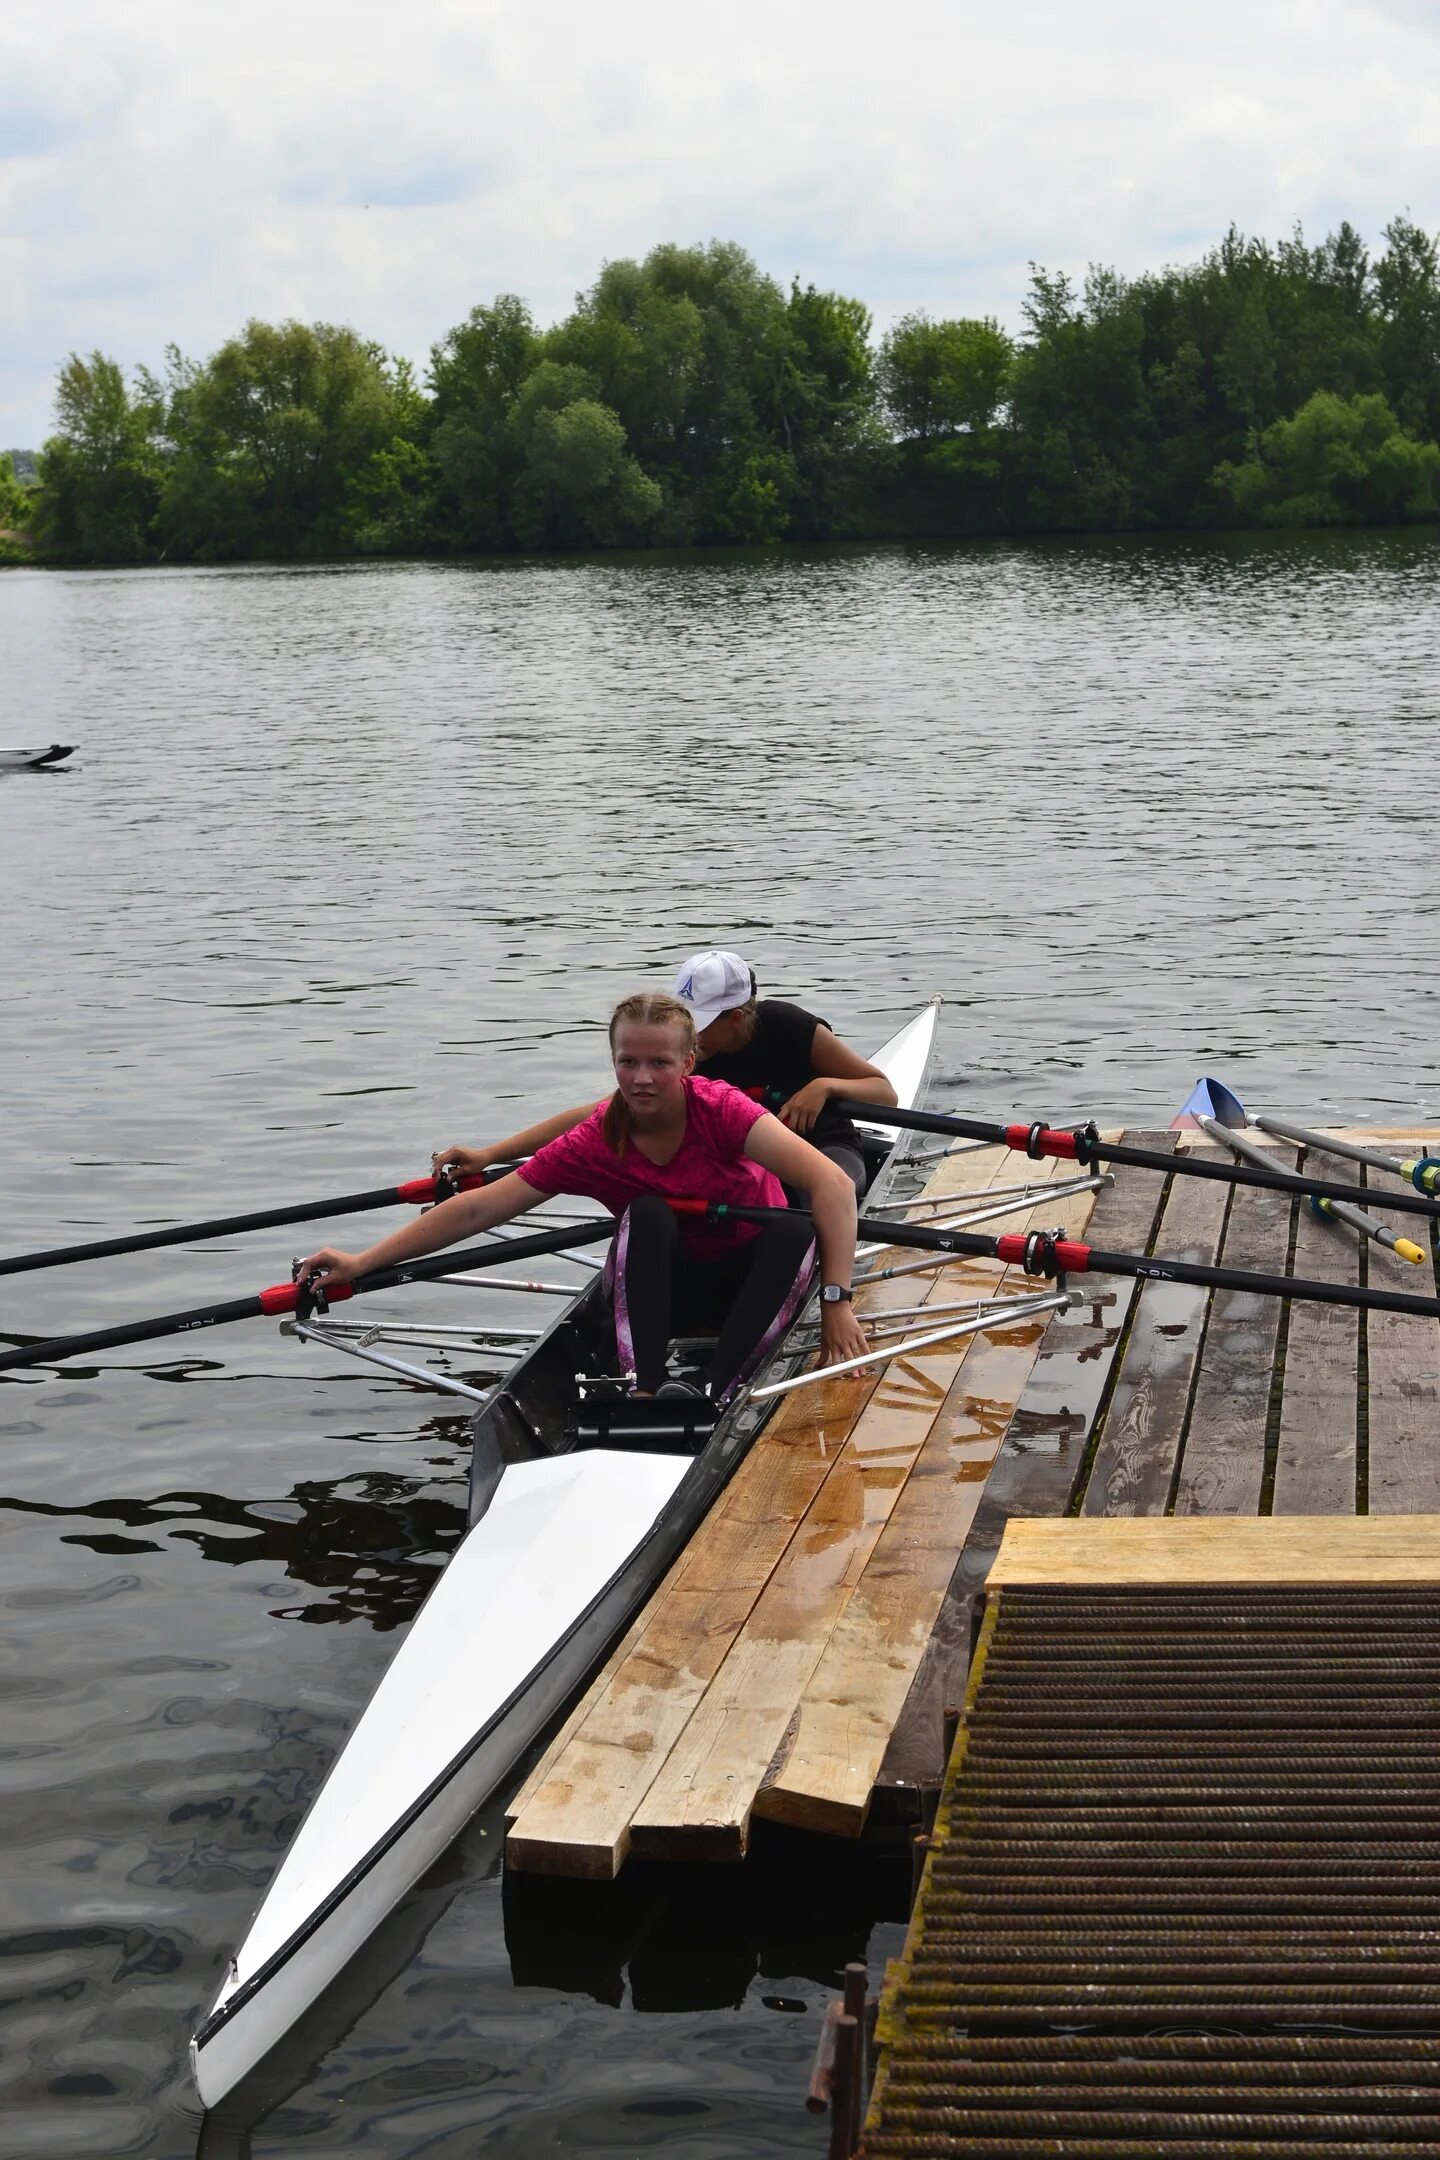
564 1554
426 1753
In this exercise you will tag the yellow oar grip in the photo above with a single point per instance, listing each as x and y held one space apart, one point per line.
1407 1251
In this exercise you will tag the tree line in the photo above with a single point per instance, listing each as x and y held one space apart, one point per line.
689 399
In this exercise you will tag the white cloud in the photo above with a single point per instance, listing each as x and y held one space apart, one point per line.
168 171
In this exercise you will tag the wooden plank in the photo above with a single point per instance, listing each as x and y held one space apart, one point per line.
1040 1460
1222 1471
572 1815
1140 1438
1116 1550
699 1804
847 1713
1402 1370
1316 1448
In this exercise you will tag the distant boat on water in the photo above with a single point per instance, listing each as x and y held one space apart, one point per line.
32 760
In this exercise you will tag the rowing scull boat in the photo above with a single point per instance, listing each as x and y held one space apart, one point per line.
569 1535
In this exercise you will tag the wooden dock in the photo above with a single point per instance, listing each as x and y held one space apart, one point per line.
794 1665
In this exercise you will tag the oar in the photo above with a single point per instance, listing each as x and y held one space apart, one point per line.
1333 1210
419 1192
1423 1172
1040 1253
1085 1146
291 1297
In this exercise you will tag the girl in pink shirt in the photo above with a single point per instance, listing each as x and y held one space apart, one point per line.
664 1134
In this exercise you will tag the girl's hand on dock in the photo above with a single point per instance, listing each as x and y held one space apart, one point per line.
330 1266
841 1335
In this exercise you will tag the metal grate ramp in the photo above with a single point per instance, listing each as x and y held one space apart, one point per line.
1183 1895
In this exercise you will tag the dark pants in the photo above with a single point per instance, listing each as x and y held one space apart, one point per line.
750 1293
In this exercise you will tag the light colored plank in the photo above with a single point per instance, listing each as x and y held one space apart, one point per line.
857 1692
1118 1550
1315 1449
572 1815
698 1806
1040 1458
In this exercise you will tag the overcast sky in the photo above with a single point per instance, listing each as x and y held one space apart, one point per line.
170 167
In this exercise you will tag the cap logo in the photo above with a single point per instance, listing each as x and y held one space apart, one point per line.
687 988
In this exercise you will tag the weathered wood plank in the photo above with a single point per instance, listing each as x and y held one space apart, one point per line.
1039 1460
1222 1471
1315 1450
1140 1438
1402 1365
572 1815
847 1714
699 1804
1118 1550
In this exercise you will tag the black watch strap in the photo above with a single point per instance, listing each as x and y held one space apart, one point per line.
833 1294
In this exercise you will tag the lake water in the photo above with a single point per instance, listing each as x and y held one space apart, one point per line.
354 861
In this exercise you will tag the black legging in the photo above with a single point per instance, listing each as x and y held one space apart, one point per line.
750 1292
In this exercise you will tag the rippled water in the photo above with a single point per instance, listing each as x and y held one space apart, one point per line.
354 861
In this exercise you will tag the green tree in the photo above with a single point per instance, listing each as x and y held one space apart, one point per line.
268 435
476 375
937 378
1339 461
1407 302
689 349
15 503
577 484
1080 403
100 473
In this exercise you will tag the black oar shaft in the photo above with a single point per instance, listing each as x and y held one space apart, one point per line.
1302 1287
1017 1248
418 1192
187 1233
132 1331
1062 1146
282 1298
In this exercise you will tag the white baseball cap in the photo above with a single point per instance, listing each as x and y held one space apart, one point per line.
711 983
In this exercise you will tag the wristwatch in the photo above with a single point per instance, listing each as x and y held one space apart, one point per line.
832 1293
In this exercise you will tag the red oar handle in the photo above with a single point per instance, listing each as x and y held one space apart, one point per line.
1041 1254
283 1298
425 1191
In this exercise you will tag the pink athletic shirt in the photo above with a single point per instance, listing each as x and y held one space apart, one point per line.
709 1164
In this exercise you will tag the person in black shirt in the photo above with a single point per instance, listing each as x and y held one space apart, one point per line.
787 1056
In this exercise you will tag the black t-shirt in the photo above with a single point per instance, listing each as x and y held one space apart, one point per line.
777 1058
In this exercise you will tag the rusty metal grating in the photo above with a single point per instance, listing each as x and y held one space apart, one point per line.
1183 1896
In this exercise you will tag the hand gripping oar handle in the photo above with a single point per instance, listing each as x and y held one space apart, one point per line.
282 1298
1085 1146
1340 1211
419 1192
1040 1253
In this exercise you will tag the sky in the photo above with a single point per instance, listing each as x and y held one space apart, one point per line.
170 168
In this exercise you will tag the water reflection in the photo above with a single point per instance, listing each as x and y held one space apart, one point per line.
371 1542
